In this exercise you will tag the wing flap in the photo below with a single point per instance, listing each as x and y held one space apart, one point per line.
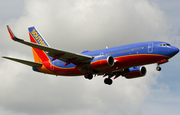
29 63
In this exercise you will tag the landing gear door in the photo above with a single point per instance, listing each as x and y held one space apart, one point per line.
150 47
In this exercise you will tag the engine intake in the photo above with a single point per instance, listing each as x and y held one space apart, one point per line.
110 61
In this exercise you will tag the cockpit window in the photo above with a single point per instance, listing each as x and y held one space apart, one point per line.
164 44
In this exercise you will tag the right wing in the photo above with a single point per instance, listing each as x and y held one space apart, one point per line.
66 55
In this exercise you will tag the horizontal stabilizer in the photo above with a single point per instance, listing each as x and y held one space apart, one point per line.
29 63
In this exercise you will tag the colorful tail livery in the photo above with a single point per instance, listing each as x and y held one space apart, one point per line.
126 60
35 37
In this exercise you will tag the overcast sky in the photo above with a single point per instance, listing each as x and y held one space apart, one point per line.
78 25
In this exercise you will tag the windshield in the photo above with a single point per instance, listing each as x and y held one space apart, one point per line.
165 44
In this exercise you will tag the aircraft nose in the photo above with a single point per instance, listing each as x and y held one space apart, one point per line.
174 50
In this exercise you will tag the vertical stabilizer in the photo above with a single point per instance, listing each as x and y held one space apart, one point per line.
35 37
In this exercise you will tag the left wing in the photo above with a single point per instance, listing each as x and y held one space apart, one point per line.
29 63
76 58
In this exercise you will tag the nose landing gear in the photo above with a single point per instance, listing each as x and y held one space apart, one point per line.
158 68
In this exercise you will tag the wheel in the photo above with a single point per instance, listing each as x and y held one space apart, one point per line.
88 76
158 68
108 81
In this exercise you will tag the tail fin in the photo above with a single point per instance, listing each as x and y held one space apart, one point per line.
35 37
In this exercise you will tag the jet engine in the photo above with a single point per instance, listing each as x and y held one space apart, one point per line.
134 72
102 62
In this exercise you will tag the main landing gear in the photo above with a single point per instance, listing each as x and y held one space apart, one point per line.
88 76
108 81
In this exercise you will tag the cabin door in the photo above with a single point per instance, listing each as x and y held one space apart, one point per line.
150 47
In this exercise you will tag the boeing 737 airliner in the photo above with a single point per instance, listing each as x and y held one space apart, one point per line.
127 60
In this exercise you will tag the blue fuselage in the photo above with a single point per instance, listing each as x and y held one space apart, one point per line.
137 54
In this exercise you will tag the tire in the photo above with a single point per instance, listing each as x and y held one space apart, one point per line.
108 81
158 68
88 76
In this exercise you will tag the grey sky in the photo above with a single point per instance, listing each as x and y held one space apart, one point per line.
78 25
11 9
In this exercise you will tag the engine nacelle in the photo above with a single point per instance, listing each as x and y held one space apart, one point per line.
102 62
134 72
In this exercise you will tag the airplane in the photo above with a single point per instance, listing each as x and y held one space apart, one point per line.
127 60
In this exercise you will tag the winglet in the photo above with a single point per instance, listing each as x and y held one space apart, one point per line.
12 34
